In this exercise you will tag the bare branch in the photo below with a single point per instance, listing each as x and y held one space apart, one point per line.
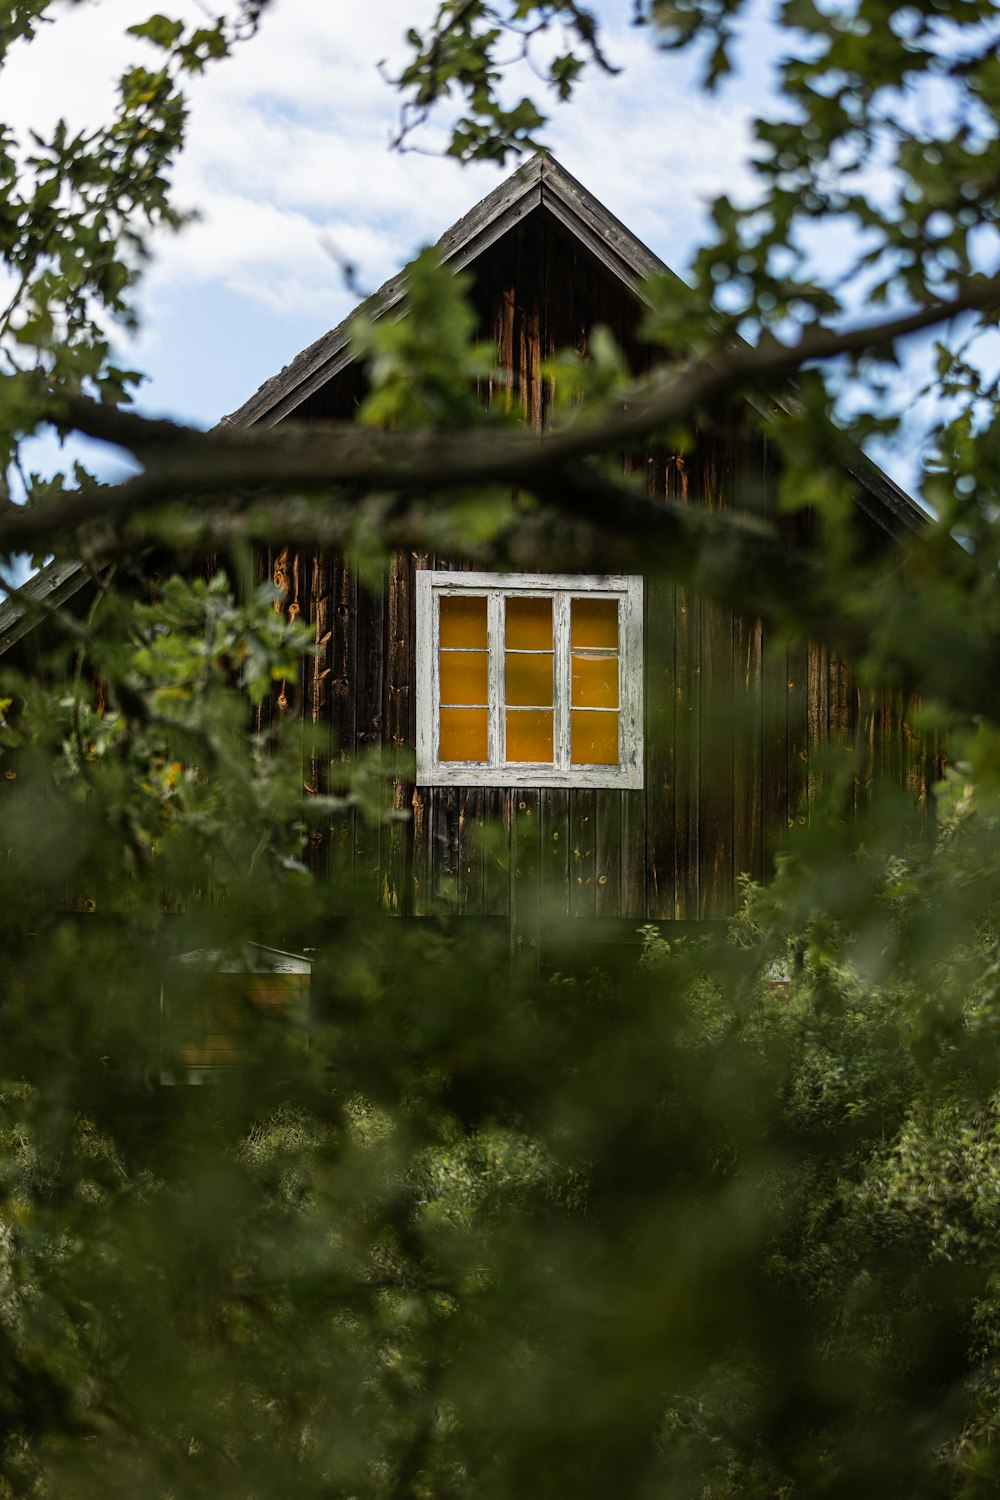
228 465
327 486
740 563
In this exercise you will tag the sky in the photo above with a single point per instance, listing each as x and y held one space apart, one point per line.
289 171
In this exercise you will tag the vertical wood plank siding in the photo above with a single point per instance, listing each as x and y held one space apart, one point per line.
741 734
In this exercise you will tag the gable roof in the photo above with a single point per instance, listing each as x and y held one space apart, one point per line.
540 183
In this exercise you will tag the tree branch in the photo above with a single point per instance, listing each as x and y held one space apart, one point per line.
330 486
736 562
228 465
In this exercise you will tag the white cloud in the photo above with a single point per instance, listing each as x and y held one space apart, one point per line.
288 156
654 149
287 142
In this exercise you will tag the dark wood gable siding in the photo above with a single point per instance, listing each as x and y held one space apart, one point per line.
738 730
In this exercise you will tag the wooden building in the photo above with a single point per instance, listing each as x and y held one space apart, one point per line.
614 749
725 735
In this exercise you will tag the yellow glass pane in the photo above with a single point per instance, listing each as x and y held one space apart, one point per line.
529 734
464 677
528 679
594 738
463 734
595 682
529 624
594 624
463 620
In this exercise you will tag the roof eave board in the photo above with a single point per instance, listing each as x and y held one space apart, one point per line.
22 610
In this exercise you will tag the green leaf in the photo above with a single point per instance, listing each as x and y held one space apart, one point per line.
159 30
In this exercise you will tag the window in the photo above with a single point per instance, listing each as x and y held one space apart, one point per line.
529 680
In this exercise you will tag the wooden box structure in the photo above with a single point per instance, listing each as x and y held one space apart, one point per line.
217 1009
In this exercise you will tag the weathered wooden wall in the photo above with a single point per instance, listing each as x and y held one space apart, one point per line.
739 731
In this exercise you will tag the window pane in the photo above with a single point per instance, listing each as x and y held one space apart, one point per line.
529 734
595 681
529 624
594 738
463 734
464 677
463 620
529 679
594 624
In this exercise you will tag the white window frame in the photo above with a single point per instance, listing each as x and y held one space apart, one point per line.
432 586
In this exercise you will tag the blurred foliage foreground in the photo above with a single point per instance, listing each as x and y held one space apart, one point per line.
726 1226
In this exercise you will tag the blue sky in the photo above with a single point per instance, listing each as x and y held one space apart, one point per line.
288 156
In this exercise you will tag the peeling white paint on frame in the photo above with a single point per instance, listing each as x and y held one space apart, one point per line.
561 588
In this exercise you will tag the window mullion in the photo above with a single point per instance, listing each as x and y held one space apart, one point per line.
435 666
494 641
563 669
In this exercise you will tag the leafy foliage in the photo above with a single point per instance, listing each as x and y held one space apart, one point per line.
423 368
724 1226
463 53
75 212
